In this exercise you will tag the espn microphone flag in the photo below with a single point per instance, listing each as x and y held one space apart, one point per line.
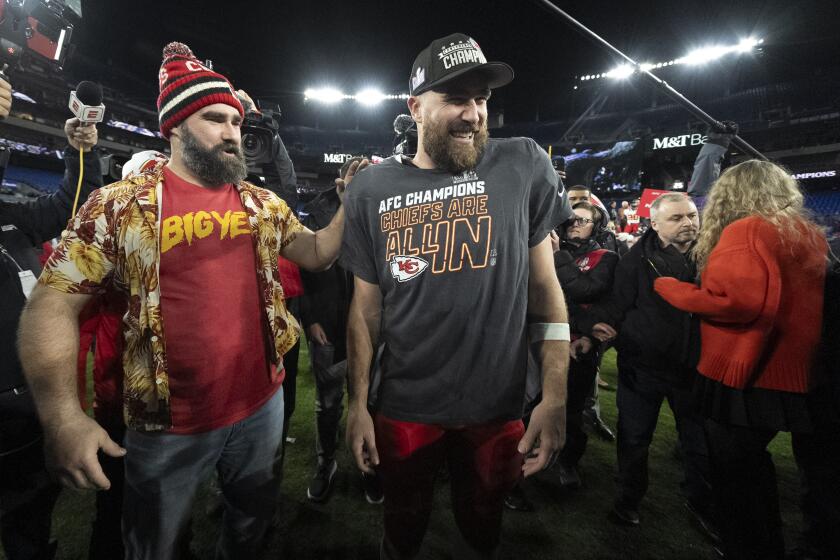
86 103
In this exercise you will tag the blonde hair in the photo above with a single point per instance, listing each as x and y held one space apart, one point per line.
754 188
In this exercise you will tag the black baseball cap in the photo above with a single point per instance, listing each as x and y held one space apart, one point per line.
450 57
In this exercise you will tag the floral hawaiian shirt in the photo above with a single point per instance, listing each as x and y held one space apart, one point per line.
114 239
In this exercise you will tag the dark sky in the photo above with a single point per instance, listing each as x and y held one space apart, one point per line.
275 49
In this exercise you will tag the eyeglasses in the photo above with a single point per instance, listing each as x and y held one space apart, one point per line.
583 221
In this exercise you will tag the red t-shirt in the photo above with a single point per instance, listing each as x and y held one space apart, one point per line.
210 305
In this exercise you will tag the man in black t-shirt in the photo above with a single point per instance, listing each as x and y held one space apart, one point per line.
450 251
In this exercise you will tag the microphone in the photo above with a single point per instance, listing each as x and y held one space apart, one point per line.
86 103
403 123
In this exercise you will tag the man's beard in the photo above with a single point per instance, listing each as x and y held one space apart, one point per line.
213 165
450 155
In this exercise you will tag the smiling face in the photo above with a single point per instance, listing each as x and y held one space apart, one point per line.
452 124
208 142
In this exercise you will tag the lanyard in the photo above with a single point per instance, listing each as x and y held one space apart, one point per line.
10 257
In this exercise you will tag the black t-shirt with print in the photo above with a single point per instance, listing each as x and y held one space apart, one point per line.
450 254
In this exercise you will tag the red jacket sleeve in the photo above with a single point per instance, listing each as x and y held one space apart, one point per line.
739 284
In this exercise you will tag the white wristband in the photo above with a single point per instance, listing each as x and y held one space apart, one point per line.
549 331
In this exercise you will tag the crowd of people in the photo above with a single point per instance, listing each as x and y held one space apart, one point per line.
462 296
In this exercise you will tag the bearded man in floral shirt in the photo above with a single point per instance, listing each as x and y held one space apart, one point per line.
194 249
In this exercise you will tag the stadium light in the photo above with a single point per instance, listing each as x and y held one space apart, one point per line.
748 44
696 57
621 72
706 54
324 95
369 97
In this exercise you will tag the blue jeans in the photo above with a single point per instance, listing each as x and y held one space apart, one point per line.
163 472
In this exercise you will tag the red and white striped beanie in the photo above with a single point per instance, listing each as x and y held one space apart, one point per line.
187 85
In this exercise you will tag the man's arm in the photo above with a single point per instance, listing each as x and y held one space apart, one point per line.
318 250
46 216
48 344
546 305
362 335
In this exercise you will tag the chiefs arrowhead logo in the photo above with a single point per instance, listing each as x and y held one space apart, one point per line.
405 268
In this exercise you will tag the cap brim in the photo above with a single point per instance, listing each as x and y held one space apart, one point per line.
498 74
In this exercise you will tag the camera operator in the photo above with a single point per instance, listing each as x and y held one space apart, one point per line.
708 162
272 163
27 495
270 166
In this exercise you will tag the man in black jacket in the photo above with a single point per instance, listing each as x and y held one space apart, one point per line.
27 495
323 308
658 347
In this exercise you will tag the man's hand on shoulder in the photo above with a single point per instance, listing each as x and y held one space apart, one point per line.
344 182
316 251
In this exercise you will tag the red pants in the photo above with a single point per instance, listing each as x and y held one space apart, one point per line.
483 463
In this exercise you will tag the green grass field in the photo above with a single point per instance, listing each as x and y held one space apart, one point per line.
568 526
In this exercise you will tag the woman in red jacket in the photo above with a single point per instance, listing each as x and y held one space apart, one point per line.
760 299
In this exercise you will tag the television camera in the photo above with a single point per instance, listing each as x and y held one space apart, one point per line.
41 28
